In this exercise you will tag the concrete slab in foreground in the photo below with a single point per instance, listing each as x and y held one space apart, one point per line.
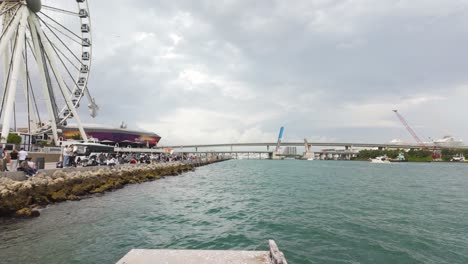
144 256
163 256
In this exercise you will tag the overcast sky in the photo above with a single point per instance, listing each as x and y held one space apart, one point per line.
223 71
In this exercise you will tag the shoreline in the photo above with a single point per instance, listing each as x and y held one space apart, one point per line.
23 198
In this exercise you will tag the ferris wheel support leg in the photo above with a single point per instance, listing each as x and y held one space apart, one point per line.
4 46
37 51
6 64
50 54
10 31
32 117
6 69
12 84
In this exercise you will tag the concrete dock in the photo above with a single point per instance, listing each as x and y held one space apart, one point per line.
143 256
163 256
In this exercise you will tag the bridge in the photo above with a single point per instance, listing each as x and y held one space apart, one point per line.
347 152
348 145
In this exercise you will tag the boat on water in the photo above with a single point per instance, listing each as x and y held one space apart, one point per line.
458 158
399 158
380 159
446 141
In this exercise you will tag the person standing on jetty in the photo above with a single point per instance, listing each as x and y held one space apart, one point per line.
14 160
22 155
66 156
4 160
74 153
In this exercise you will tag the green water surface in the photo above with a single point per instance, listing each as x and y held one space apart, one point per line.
317 211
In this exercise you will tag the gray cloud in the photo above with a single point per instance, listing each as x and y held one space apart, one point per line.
211 71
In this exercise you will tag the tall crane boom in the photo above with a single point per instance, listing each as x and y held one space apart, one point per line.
280 138
410 130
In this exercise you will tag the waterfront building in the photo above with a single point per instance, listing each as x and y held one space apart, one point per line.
290 151
113 136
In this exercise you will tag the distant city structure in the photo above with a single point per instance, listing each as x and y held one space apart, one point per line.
446 141
121 137
114 136
290 151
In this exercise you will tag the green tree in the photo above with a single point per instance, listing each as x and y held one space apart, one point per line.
42 143
366 154
419 155
412 155
447 154
13 139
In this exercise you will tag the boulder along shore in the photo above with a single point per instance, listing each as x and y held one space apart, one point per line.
23 198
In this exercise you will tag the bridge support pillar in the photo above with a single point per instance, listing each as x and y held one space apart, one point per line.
308 155
275 156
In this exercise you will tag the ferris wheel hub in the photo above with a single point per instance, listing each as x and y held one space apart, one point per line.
34 5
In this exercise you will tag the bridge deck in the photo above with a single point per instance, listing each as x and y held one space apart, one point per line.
315 144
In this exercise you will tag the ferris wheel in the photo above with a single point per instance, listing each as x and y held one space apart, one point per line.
46 47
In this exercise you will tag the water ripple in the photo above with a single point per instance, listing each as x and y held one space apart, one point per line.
318 212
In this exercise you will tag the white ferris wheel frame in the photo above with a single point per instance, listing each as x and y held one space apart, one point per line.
14 33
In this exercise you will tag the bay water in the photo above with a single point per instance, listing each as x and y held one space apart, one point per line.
316 211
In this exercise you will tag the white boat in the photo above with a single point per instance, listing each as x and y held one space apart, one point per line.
459 158
447 141
380 159
398 142
310 159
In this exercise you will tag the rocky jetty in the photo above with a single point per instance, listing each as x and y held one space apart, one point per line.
22 198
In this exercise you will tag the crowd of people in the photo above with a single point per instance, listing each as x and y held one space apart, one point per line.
69 156
19 161
111 159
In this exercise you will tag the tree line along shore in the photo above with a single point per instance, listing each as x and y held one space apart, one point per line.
413 155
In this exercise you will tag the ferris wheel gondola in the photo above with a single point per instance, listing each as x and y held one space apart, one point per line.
47 50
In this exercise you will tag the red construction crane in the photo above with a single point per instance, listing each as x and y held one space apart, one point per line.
403 121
